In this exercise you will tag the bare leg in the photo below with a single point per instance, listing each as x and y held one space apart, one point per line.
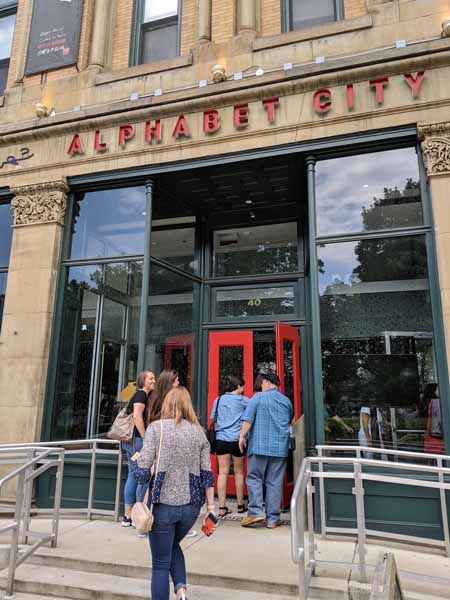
224 468
238 466
128 508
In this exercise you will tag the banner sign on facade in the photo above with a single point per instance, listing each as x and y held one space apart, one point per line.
54 35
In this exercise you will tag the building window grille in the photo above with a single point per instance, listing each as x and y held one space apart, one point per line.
300 14
157 30
7 24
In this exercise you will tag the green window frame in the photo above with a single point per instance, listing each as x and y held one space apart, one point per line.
287 15
142 28
7 9
4 202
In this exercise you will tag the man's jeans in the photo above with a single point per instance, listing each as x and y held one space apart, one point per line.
134 491
170 526
268 471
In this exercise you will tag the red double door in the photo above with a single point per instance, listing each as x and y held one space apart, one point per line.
232 352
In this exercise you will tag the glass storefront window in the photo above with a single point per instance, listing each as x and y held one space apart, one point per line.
98 348
255 302
6 222
368 192
176 246
256 250
170 330
377 342
109 223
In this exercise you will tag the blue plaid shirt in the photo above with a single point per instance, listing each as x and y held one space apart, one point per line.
270 414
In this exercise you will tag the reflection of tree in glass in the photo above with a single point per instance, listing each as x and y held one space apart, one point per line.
394 209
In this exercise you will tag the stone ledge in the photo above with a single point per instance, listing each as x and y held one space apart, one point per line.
313 33
142 70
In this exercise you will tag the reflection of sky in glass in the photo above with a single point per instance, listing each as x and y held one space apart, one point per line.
346 185
110 223
5 233
90 275
339 261
6 35
157 9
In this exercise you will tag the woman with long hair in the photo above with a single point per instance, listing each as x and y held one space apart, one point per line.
227 412
137 406
167 380
178 490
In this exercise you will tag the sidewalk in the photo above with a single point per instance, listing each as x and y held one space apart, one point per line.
234 557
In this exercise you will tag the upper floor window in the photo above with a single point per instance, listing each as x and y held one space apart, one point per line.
7 24
157 35
306 13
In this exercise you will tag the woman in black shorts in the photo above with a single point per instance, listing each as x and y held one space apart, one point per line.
227 412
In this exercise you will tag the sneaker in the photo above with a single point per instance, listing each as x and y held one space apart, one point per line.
126 521
191 534
251 520
142 535
273 524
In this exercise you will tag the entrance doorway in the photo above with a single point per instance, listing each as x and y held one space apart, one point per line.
246 353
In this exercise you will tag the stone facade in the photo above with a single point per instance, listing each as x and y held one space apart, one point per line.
242 38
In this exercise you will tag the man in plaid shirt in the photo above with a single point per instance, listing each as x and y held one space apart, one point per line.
266 422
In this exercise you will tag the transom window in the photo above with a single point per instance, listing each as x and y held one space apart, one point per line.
306 13
157 35
7 24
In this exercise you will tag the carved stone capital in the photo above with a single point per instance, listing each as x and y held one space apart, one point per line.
40 203
436 148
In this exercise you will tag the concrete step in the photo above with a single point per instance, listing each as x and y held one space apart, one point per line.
48 559
53 582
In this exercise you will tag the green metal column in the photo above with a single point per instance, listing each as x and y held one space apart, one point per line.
150 188
314 303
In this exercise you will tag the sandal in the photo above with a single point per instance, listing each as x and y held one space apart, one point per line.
224 511
241 508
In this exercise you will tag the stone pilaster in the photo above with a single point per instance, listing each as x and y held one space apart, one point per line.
435 139
29 303
247 16
101 33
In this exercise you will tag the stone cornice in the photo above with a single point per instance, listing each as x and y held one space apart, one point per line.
436 147
40 203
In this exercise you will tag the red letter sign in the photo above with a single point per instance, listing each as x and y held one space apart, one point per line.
153 131
240 115
379 85
270 105
415 83
76 146
99 146
322 100
126 132
211 121
181 128
350 96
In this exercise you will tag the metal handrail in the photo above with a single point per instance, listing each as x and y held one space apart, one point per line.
35 460
73 448
302 501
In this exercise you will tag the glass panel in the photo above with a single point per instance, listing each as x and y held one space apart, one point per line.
310 12
4 68
256 250
253 302
377 343
109 385
109 223
176 246
158 9
288 358
368 192
3 277
170 331
159 43
264 351
7 25
85 290
6 221
231 362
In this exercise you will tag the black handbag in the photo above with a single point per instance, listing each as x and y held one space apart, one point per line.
211 431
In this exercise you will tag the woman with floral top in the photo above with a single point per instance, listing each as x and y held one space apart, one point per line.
184 478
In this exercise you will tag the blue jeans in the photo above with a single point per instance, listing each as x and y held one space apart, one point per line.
268 471
133 491
171 524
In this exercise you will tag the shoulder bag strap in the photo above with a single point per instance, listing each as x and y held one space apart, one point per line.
217 409
157 468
